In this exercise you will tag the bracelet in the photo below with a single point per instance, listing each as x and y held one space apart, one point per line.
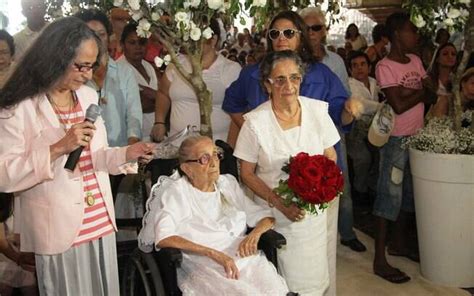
159 122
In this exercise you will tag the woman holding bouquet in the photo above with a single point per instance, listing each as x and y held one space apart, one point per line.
281 127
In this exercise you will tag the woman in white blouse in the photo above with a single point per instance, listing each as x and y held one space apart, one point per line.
206 215
174 92
281 127
134 49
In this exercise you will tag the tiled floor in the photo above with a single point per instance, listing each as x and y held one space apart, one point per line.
355 277
354 270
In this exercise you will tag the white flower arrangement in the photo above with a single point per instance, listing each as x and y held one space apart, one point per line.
428 15
438 136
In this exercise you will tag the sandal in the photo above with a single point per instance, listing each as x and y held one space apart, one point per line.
398 277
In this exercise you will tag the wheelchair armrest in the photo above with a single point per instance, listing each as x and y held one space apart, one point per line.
169 259
269 242
170 256
128 222
272 239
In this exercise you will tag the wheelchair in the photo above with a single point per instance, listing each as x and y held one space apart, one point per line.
155 273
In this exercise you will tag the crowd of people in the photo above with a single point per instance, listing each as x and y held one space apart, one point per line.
275 92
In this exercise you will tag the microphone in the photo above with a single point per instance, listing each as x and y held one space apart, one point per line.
91 115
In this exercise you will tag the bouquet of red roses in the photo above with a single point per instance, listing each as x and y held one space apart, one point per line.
313 182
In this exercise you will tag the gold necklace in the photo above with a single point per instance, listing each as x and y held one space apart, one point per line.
291 116
58 111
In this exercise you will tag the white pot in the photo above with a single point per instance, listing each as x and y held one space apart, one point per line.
444 202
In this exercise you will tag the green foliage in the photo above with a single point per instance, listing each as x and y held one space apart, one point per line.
289 197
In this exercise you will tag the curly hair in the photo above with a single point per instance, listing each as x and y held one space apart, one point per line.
395 22
46 61
9 40
88 15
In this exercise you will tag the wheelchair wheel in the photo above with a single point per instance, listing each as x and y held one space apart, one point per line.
141 276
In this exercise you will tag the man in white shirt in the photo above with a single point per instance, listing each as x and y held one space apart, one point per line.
34 11
364 157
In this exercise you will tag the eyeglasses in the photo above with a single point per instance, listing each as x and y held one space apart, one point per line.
206 158
274 34
281 80
315 28
86 68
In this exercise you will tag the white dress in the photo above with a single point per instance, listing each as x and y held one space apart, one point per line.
217 220
303 261
184 104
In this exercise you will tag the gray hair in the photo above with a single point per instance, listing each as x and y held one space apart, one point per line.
187 146
272 58
313 11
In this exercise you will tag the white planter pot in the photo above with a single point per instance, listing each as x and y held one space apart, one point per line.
444 202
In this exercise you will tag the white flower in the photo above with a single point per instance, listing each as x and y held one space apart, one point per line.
259 3
224 7
136 15
195 3
75 9
186 36
465 2
207 33
134 4
155 16
143 28
449 22
215 4
419 21
181 17
118 3
160 61
464 13
453 13
195 34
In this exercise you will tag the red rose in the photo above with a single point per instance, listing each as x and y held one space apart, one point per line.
315 179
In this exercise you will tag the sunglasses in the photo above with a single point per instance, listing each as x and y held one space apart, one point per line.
274 34
281 80
315 28
206 157
86 68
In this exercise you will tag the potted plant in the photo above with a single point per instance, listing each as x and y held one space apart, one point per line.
442 165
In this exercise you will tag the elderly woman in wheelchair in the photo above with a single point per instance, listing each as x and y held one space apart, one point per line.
205 215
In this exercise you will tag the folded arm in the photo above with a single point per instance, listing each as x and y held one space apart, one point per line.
402 99
231 270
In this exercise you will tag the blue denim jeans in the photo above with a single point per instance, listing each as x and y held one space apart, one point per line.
395 185
346 217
